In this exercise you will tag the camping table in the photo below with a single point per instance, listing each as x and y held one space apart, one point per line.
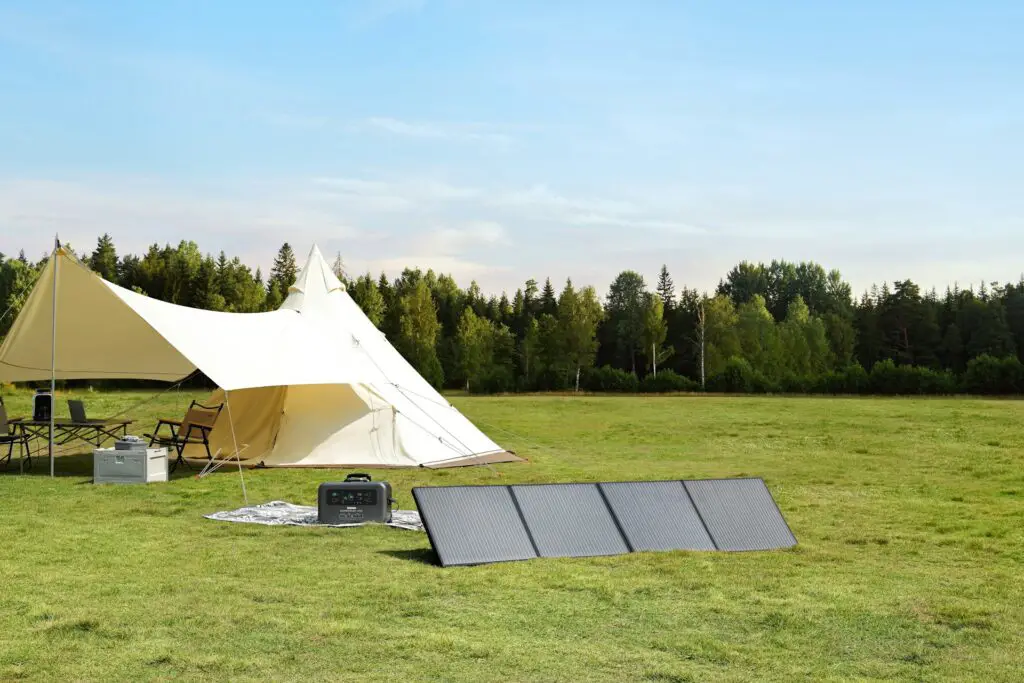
65 431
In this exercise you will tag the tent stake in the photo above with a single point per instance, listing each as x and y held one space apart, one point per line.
53 348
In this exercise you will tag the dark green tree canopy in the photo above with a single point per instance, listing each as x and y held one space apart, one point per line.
790 324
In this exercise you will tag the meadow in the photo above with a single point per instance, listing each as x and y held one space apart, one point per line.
909 515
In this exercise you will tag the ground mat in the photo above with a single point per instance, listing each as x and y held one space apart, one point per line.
483 524
278 512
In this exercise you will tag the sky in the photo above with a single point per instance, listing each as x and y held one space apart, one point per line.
500 141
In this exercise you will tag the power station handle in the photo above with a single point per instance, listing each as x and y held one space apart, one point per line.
358 476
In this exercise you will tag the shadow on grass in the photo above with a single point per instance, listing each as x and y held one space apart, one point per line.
81 465
420 555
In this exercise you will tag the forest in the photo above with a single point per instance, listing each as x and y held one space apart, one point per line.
780 327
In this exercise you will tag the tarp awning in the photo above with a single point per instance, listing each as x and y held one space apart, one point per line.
108 332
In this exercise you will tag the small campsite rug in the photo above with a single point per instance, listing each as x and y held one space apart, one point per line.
278 512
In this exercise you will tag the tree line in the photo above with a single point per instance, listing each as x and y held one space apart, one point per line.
777 327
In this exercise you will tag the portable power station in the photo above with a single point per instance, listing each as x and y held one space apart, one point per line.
42 405
353 501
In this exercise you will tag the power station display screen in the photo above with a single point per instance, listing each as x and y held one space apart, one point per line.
352 497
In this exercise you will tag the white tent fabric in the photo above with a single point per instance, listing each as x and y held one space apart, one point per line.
313 384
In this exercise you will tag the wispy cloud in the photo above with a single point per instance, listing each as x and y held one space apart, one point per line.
450 240
466 132
139 213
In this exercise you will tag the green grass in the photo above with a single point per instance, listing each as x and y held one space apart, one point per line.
909 516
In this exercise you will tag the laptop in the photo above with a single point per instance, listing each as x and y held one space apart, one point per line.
77 410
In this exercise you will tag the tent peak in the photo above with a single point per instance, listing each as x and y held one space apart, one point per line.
315 281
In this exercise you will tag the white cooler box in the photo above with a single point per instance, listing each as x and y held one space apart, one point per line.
129 465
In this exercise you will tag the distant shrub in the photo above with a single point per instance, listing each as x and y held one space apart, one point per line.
797 384
990 375
609 379
887 378
495 380
853 379
667 381
552 380
736 377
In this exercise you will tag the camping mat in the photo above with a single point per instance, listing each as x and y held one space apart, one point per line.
278 512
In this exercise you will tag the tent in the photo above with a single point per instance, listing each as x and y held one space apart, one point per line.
312 384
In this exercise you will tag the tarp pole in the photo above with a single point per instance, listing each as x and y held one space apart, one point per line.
238 456
53 348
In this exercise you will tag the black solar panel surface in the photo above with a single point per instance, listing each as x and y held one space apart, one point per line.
473 524
481 524
569 520
740 514
657 515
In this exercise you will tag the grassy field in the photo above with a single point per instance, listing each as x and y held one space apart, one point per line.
909 516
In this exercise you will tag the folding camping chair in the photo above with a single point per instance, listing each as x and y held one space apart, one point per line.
10 435
194 429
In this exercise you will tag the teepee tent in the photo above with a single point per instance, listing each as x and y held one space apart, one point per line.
313 383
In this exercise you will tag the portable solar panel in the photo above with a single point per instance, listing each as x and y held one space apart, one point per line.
569 520
473 524
740 514
481 524
657 515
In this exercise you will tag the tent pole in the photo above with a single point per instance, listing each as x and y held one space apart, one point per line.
238 457
53 348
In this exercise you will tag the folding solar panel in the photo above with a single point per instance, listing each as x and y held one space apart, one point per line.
740 514
473 524
656 515
481 524
569 520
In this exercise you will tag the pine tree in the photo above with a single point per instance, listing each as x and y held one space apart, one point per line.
530 298
548 302
206 292
504 309
283 272
104 259
128 271
627 304
519 314
475 299
666 290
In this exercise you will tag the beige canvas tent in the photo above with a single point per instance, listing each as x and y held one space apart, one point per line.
313 384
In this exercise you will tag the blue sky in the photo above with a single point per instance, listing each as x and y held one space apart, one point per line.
500 141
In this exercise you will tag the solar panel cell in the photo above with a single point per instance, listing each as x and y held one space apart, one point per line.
657 515
473 524
740 514
569 520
